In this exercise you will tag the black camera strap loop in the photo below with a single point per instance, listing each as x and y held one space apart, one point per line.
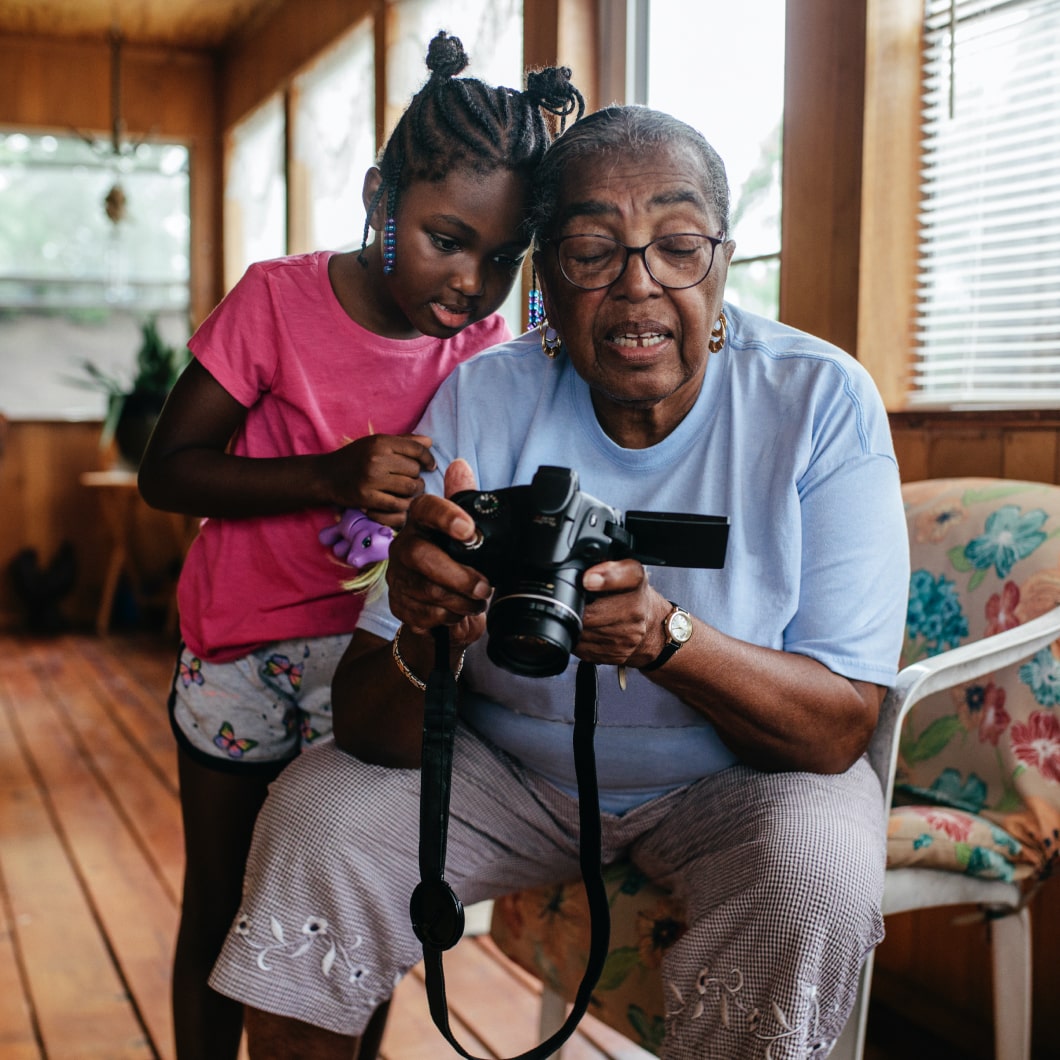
437 914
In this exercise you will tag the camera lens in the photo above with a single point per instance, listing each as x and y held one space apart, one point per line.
533 628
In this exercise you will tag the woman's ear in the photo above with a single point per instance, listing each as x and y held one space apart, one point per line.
372 180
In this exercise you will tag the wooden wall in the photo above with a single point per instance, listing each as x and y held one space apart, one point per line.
934 965
994 444
41 464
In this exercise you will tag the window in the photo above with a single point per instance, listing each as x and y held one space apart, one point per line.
988 292
91 243
334 140
719 67
83 229
490 30
255 205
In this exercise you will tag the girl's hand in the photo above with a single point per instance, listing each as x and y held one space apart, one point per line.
381 474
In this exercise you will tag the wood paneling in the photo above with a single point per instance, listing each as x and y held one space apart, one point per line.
1003 445
889 194
822 168
176 23
565 33
45 504
935 971
934 967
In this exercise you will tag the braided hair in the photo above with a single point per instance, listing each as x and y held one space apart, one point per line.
461 121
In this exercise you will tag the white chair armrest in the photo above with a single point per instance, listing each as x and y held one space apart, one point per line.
947 670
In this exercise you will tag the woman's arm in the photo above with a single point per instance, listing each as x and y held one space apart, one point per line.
377 712
187 467
776 710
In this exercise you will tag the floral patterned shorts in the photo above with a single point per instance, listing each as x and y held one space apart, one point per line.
261 708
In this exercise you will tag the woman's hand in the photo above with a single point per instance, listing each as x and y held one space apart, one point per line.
427 587
622 624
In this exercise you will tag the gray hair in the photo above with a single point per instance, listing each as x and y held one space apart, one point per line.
618 130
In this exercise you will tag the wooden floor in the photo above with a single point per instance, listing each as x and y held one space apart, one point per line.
90 872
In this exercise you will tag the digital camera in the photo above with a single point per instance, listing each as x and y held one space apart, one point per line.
534 543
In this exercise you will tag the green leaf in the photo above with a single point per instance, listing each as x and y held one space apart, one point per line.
959 559
651 1032
933 739
976 579
993 493
620 962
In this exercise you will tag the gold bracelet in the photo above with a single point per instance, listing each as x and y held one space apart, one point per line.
403 666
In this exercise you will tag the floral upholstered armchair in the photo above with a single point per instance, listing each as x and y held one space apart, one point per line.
968 753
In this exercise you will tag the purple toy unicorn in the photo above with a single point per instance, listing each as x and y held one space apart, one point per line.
356 539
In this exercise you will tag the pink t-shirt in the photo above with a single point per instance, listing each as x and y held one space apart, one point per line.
312 380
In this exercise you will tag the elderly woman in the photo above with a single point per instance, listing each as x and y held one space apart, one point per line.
733 725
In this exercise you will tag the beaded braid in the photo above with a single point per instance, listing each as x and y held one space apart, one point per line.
455 121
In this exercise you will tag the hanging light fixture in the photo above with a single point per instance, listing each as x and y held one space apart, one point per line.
118 150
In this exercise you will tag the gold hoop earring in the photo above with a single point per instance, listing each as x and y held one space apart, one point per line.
550 340
717 334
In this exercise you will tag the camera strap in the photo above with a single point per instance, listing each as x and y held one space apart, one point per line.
437 913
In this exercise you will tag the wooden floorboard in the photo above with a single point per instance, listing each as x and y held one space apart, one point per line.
90 873
74 986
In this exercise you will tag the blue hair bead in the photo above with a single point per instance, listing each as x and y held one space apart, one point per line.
389 230
535 309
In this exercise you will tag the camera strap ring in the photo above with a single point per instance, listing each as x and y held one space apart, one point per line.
437 914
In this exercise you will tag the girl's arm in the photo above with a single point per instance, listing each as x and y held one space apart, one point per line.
187 467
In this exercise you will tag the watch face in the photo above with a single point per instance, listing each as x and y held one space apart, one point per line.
680 626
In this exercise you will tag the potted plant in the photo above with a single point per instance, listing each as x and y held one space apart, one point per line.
133 407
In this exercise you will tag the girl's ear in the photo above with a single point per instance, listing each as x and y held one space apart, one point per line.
372 179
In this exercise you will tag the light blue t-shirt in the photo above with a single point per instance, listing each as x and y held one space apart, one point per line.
789 439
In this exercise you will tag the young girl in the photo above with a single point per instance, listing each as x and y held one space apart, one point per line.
304 354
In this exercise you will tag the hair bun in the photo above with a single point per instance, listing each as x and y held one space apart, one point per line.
551 90
446 56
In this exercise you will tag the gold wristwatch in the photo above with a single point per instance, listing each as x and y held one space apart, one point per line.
678 629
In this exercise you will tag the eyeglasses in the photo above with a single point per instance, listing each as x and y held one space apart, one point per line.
674 261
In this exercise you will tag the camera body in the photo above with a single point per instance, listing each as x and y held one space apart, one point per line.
534 543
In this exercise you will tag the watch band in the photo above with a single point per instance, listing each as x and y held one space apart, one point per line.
678 628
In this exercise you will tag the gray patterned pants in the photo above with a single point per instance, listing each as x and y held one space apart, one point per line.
781 875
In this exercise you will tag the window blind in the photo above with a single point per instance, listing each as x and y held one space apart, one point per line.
987 327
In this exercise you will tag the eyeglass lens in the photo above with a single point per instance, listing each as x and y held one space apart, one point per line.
675 261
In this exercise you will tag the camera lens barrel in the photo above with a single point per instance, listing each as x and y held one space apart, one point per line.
532 633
